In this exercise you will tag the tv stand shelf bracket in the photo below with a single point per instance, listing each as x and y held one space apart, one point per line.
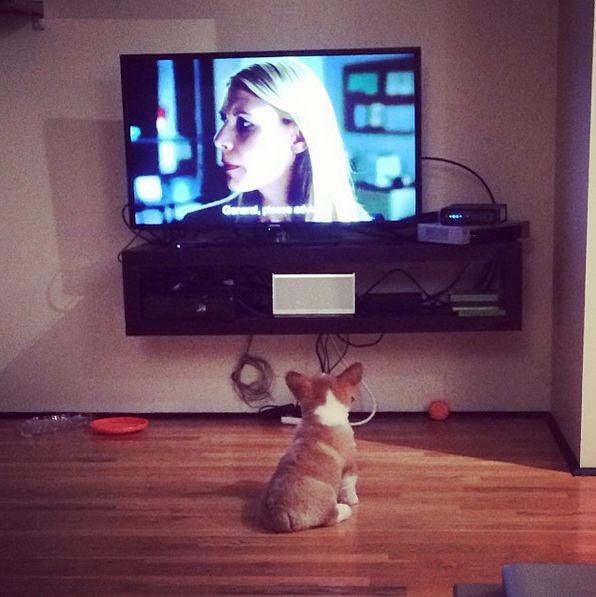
226 290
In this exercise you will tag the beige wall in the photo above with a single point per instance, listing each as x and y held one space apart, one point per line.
489 82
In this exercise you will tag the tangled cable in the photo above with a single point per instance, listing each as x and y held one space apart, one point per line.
254 392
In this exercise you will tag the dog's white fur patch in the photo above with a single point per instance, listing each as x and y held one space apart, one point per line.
347 491
333 412
343 511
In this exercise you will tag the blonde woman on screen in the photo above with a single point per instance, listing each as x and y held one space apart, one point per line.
281 146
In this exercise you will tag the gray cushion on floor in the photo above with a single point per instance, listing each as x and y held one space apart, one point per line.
478 590
549 580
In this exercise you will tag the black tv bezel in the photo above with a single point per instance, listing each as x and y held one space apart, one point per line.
314 228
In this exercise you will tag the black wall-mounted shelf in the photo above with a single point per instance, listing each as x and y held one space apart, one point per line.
33 9
225 290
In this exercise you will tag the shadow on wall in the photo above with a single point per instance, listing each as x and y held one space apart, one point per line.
58 369
11 23
83 360
65 366
86 170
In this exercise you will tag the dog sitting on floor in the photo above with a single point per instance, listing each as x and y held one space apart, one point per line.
315 481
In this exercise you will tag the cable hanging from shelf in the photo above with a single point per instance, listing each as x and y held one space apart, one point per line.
466 168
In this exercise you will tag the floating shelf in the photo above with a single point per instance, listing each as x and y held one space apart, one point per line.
31 8
188 291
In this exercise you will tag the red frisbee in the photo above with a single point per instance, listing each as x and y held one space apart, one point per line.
119 425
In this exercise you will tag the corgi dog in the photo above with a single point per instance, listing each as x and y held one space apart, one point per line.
314 483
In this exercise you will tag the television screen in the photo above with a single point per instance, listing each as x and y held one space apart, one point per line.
275 139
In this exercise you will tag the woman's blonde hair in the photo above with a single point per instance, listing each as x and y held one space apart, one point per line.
321 176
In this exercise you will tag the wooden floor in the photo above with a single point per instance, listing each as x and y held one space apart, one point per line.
171 510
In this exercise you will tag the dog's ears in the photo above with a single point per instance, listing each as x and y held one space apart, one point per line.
301 386
298 384
352 375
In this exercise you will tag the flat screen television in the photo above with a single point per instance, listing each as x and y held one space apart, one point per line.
297 140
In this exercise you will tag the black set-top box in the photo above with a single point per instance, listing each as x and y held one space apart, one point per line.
473 214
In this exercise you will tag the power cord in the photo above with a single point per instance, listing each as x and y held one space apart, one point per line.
136 233
324 357
431 298
466 168
342 354
255 392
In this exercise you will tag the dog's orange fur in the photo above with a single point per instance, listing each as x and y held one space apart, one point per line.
314 483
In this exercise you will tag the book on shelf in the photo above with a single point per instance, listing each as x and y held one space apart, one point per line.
473 296
486 310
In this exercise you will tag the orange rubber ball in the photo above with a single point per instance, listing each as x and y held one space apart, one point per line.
438 410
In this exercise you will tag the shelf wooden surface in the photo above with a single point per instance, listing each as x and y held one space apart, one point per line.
171 509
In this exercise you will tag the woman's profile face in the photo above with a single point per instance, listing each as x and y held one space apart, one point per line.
258 146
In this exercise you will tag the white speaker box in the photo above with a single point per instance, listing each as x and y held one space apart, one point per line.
314 294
